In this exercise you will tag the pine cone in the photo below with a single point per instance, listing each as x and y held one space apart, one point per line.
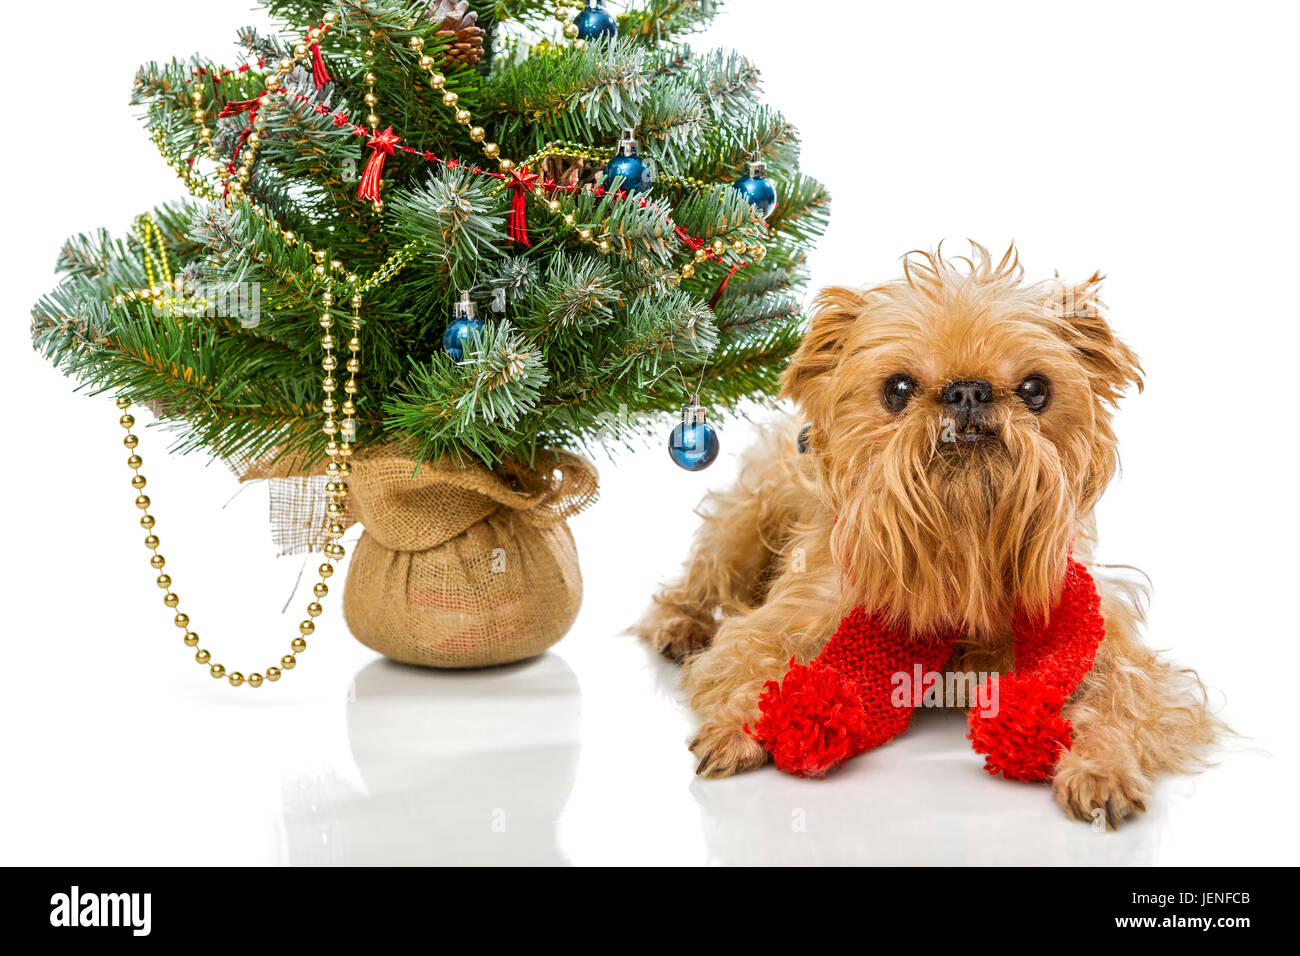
459 24
564 171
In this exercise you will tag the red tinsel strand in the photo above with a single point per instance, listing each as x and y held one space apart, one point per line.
521 184
382 146
318 71
718 295
235 107
517 221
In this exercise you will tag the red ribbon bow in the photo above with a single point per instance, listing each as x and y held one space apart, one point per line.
521 184
383 145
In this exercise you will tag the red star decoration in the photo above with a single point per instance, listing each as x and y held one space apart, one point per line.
384 142
522 178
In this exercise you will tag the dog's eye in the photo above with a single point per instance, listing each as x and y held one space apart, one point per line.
1034 392
898 391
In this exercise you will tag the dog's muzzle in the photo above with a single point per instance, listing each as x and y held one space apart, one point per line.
968 418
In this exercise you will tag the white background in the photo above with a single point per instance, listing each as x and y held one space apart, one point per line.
1155 141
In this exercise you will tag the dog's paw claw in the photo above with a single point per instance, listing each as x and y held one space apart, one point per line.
1111 796
676 636
724 751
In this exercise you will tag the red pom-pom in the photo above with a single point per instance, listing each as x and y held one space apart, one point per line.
812 721
1024 739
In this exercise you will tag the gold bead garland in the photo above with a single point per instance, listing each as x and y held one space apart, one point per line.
341 435
600 240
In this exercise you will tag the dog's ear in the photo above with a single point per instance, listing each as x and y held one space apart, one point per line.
1078 313
837 308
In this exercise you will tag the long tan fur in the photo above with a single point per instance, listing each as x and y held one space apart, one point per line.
883 511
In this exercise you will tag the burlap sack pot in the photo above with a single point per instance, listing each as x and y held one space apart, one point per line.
460 566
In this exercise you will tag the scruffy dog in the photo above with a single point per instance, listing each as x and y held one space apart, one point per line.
959 435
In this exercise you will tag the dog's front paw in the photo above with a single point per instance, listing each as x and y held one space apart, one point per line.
1090 793
674 634
725 749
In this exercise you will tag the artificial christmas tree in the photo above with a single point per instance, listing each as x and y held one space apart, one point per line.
404 288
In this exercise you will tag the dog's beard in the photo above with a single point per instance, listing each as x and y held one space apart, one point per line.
940 533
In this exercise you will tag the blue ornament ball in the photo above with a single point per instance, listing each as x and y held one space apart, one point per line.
453 339
595 23
693 447
759 191
634 170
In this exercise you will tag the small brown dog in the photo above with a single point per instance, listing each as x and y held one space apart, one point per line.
959 435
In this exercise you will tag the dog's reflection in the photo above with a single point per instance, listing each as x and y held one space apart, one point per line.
458 767
923 799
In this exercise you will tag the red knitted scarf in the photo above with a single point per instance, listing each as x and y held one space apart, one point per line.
842 703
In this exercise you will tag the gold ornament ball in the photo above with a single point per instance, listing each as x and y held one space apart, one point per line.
450 99
492 151
217 671
202 656
718 247
171 599
325 570
426 63
463 117
126 421
506 165
372 120
371 79
137 482
437 81
236 678
254 679
477 134
687 271
569 219
191 639
571 30
123 402
273 673
416 43
288 661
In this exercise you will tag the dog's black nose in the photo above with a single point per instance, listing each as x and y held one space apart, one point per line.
967 396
